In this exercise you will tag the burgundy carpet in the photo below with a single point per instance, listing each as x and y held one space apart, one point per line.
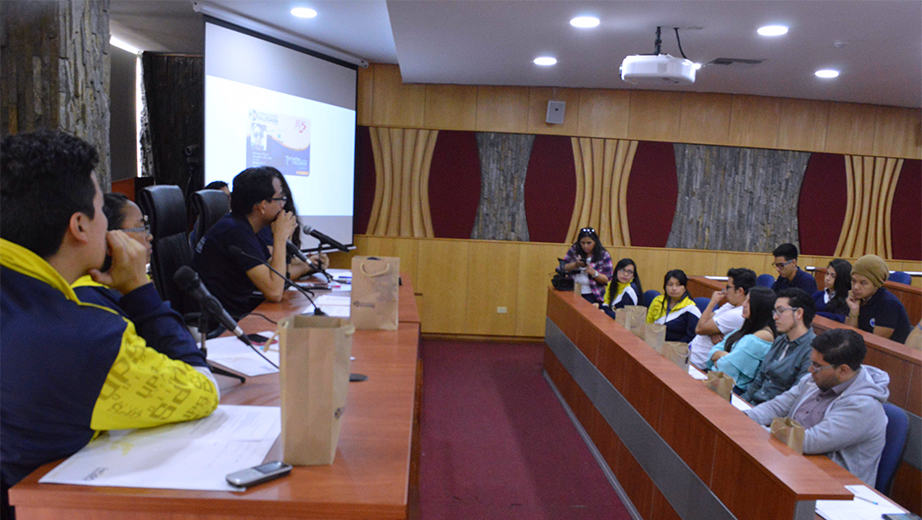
496 443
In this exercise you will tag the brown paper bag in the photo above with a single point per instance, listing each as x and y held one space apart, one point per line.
655 335
623 318
721 384
314 377
790 432
677 352
638 319
375 282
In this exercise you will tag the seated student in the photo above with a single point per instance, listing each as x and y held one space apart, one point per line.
789 356
840 405
625 289
265 234
740 355
675 308
69 369
789 274
872 308
258 202
593 263
715 323
830 302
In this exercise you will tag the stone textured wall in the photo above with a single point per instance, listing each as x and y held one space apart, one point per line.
503 163
54 70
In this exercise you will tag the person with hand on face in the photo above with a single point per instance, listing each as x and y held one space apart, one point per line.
789 274
716 322
625 289
840 404
872 308
740 355
830 302
789 356
318 261
675 308
591 263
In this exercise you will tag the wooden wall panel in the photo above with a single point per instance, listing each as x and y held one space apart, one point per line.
898 132
604 113
537 110
536 268
502 109
451 107
754 121
396 103
651 263
705 118
492 282
442 284
693 262
802 124
655 115
850 127
366 94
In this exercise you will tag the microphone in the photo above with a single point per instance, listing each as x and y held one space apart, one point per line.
234 250
325 239
189 282
293 250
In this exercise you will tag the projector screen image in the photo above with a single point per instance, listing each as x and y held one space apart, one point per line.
270 105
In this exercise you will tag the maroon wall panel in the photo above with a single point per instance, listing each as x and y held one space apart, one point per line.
364 180
906 215
454 184
550 188
652 193
822 203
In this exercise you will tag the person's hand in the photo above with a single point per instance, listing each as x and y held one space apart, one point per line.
592 272
716 338
581 263
719 354
854 305
129 264
322 260
284 224
719 296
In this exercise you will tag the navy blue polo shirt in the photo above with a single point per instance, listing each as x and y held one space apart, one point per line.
884 309
802 280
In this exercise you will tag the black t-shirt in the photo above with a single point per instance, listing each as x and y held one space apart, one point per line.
224 274
885 310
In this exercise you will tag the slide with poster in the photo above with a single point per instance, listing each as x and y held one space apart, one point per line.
279 140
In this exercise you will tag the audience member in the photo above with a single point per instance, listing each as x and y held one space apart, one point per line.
675 308
71 369
591 263
625 289
218 185
789 356
872 308
840 405
740 355
830 302
714 324
789 274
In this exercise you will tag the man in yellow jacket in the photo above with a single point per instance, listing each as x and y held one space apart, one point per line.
71 369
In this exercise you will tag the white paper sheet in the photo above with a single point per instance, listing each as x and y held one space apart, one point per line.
231 353
697 374
192 455
334 305
739 403
870 505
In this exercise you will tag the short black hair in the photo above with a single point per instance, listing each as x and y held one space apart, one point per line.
799 298
743 278
841 347
215 185
252 186
788 251
45 177
113 205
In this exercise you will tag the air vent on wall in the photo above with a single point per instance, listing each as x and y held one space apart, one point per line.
735 62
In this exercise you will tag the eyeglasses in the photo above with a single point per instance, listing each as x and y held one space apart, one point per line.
817 367
283 200
779 312
780 265
143 228
626 271
729 288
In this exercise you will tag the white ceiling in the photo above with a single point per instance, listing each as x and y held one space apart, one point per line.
877 44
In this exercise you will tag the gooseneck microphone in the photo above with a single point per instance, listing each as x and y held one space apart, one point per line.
189 282
234 250
294 251
324 239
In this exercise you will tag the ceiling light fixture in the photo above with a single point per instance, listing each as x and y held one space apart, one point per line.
303 12
773 30
827 73
545 61
585 22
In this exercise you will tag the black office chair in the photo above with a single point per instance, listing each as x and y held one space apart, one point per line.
209 206
166 212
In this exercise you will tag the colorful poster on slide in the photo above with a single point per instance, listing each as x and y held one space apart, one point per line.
279 140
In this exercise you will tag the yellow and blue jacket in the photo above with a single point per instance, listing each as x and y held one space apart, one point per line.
71 369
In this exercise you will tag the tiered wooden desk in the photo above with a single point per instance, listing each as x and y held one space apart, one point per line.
372 477
676 448
904 365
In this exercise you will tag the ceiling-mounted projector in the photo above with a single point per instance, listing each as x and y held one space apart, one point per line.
657 69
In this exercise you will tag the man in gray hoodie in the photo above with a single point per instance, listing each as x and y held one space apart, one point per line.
840 404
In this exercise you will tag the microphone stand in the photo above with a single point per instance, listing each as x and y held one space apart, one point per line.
203 328
322 270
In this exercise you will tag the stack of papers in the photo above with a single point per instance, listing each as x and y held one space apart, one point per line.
336 306
866 505
190 455
232 354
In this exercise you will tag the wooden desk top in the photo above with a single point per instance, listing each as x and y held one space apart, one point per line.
368 479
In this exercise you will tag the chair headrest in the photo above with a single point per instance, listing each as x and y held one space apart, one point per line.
165 209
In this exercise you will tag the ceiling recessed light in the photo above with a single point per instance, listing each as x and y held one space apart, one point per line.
584 22
772 30
827 73
545 61
303 12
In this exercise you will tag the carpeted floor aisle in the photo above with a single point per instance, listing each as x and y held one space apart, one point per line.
496 443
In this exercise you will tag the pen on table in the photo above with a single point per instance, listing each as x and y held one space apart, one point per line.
866 500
